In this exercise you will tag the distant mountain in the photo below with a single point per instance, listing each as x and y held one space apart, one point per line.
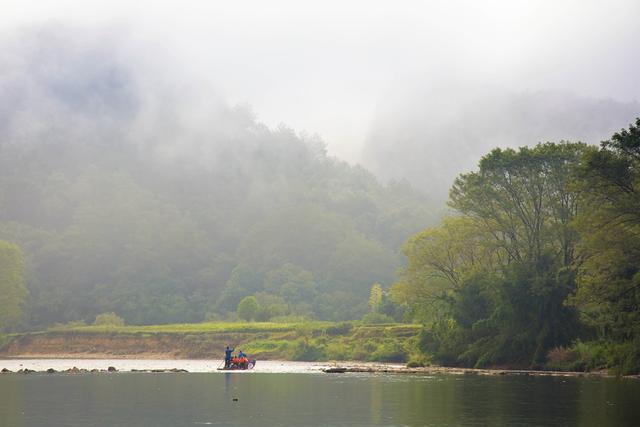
429 138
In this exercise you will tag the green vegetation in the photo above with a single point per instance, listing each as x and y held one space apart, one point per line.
108 319
12 288
113 226
164 219
608 293
307 341
539 265
248 308
182 328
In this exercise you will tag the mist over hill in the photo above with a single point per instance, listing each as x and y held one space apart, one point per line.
429 136
132 187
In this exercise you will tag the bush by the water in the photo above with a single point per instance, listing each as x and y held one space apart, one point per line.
108 319
579 357
624 358
341 328
389 351
307 350
621 358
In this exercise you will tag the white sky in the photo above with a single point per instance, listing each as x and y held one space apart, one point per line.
324 66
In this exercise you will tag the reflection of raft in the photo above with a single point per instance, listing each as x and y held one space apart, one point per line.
239 366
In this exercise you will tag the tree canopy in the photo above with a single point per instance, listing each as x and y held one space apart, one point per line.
492 280
609 272
540 256
110 225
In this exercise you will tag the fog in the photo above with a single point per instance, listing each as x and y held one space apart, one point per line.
341 69
132 186
165 161
430 137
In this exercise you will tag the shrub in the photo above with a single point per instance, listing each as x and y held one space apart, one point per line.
342 328
305 350
418 360
443 341
563 359
109 319
389 351
579 357
624 358
337 350
591 355
248 308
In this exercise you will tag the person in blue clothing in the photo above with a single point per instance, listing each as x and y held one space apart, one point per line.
241 354
227 356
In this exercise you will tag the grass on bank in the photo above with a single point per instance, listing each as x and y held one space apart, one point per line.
303 341
309 327
191 328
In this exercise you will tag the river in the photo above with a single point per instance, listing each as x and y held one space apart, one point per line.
303 396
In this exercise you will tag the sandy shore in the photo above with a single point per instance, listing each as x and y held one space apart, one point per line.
120 364
95 363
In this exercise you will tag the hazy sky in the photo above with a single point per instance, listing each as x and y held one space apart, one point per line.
326 66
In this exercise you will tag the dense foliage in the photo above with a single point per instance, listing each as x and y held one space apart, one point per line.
111 226
134 190
542 250
609 270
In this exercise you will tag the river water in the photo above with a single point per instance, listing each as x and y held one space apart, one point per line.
303 396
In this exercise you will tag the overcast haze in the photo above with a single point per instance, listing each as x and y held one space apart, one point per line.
372 78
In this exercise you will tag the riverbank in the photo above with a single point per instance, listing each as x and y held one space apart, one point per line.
368 348
310 341
95 365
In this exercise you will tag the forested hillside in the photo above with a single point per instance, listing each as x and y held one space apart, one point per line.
126 198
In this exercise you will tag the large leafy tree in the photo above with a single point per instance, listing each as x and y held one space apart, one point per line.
12 287
609 275
440 260
523 199
498 274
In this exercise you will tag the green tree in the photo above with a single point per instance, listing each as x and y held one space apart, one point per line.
493 282
608 294
108 319
244 280
524 200
292 283
248 308
375 297
440 258
12 287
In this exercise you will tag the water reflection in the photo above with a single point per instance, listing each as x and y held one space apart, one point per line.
314 400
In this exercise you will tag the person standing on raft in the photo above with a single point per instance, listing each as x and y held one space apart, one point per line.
227 356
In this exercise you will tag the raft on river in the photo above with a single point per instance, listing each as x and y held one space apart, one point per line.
239 364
